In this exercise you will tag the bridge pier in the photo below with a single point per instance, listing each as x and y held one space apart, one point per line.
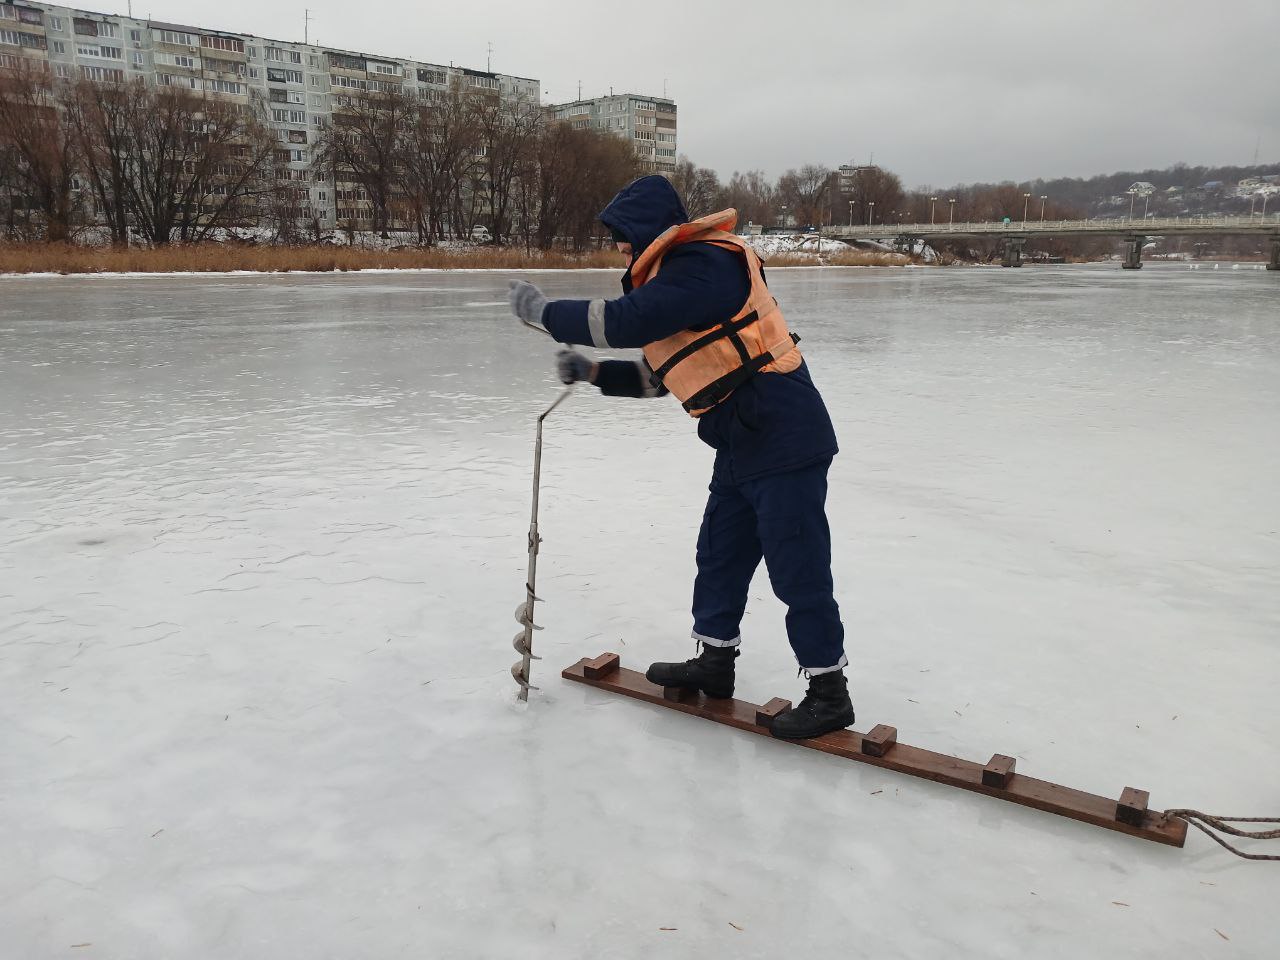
1133 252
1013 251
1275 254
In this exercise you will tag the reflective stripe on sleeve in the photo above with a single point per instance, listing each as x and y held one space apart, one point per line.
595 323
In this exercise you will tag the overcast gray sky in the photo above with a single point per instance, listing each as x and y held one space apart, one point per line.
940 93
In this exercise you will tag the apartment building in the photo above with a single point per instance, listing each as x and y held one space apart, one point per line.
648 122
299 84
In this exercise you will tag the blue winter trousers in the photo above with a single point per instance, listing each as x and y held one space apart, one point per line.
783 519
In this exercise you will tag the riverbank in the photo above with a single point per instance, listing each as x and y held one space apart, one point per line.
68 259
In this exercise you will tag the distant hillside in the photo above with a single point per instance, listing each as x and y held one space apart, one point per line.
1180 190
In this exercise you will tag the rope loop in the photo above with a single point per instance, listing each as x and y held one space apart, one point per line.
1211 826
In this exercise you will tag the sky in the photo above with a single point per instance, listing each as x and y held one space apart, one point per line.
939 93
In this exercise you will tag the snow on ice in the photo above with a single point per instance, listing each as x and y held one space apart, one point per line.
263 537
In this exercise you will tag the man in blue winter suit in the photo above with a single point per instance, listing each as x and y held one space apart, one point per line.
773 440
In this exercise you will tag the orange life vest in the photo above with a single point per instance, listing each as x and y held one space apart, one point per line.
703 367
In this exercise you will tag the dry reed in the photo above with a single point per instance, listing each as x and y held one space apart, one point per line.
65 258
218 257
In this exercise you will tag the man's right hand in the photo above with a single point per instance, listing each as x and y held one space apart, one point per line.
572 367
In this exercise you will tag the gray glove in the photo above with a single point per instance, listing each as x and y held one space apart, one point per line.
527 303
572 366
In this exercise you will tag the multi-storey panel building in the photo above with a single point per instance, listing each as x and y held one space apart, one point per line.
298 84
648 122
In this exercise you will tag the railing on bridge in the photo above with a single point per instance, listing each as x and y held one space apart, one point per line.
1146 227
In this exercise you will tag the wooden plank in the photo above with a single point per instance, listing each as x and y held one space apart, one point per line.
998 771
902 758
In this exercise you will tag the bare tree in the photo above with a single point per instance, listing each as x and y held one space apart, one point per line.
698 186
102 116
806 193
507 130
875 193
198 164
41 150
752 195
440 147
365 145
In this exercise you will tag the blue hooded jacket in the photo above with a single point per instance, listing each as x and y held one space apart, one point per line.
774 422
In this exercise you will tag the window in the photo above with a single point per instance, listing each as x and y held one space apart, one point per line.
297 116
276 75
175 38
224 66
297 156
85 50
139 60
29 15
344 62
178 60
666 153
274 54
102 74
55 24
173 80
297 136
431 76
387 69
62 70
58 46
29 40
223 43
314 62
348 82
485 83
108 29
295 56
254 74
251 52
276 96
224 86
318 100
135 36
297 96
111 53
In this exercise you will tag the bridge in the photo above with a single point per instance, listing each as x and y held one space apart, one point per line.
1014 235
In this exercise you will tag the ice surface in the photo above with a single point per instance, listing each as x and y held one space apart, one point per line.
263 537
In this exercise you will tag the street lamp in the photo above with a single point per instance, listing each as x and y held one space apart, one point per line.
1146 202
932 201
951 222
1265 198
1025 204
871 213
1133 195
1042 200
851 213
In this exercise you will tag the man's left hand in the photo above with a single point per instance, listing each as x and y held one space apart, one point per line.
527 303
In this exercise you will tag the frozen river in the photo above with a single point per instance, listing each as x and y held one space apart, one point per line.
262 538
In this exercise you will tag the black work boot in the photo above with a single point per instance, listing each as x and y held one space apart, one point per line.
711 672
825 707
